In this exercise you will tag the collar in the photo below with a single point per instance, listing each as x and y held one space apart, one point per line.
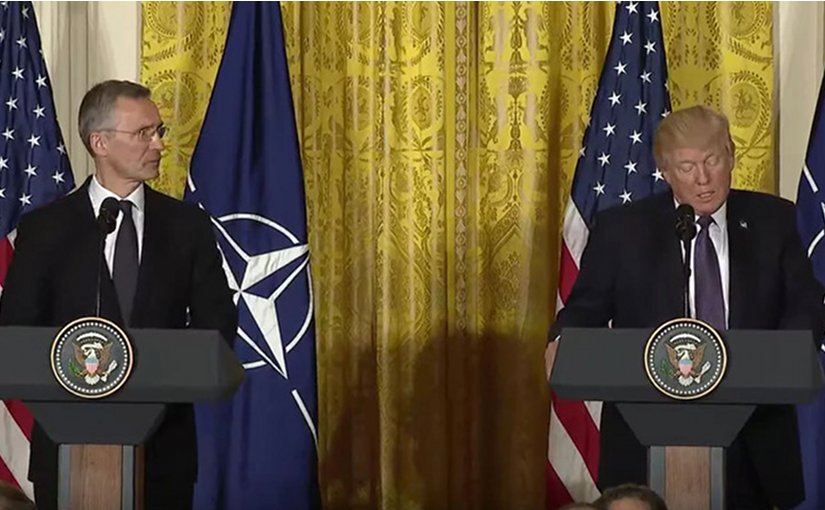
97 194
720 217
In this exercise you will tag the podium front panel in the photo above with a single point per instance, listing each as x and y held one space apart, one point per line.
685 425
97 422
764 367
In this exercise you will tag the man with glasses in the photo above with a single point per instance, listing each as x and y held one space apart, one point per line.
163 270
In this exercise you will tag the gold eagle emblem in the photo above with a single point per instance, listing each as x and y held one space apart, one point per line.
686 360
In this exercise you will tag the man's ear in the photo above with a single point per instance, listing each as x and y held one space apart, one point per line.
732 156
732 150
666 175
99 144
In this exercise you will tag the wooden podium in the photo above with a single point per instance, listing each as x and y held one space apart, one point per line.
686 439
98 471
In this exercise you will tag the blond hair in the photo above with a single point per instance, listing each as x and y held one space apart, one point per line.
697 127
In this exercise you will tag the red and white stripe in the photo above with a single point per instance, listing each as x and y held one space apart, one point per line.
15 420
573 439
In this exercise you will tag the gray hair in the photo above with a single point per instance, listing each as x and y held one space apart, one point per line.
98 103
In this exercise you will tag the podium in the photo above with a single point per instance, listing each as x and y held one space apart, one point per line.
171 366
764 367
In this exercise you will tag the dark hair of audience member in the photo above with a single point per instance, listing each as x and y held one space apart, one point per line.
579 506
631 491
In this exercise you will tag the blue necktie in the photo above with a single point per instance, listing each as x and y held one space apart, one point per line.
710 305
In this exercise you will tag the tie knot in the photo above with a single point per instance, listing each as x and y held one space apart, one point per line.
705 221
126 206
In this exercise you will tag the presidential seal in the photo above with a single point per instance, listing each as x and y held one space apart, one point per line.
685 359
91 357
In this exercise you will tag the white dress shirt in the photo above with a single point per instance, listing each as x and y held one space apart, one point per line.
719 238
97 194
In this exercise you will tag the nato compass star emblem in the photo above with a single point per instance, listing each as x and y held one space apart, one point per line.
267 267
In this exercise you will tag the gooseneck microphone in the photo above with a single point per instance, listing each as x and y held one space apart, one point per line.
686 231
106 221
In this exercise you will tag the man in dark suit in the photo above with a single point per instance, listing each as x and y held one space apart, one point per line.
631 274
162 270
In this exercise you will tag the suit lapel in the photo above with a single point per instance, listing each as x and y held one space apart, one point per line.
670 251
86 257
87 237
740 245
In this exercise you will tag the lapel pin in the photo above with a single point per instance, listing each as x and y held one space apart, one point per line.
743 224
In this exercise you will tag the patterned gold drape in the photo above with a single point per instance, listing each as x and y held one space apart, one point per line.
438 143
181 52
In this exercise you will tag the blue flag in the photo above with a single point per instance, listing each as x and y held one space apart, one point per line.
259 451
810 216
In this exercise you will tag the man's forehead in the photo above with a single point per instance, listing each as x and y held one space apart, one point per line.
141 110
133 103
694 153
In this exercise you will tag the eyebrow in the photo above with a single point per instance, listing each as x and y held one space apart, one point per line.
149 126
704 158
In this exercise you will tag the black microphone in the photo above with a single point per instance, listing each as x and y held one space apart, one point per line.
686 231
107 218
106 221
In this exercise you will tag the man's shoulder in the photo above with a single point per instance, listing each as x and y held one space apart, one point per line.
178 219
648 209
173 208
57 213
758 199
760 206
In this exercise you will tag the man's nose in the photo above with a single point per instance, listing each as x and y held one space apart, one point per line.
702 174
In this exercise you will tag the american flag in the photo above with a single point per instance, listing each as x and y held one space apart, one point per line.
34 170
615 167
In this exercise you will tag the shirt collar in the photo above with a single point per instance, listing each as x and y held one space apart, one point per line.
720 217
97 194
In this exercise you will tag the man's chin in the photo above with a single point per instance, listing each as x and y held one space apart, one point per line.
706 208
152 171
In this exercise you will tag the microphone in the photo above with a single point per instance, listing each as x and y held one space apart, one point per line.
686 231
106 221
685 223
107 218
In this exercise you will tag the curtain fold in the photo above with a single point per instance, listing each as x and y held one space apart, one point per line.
438 143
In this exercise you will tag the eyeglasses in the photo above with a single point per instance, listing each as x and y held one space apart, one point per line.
144 134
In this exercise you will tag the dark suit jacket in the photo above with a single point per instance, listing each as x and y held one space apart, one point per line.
181 283
631 273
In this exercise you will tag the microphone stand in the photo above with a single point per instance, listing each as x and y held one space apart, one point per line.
686 231
105 226
106 222
101 245
686 275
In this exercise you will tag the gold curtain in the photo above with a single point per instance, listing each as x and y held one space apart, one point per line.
181 52
438 143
